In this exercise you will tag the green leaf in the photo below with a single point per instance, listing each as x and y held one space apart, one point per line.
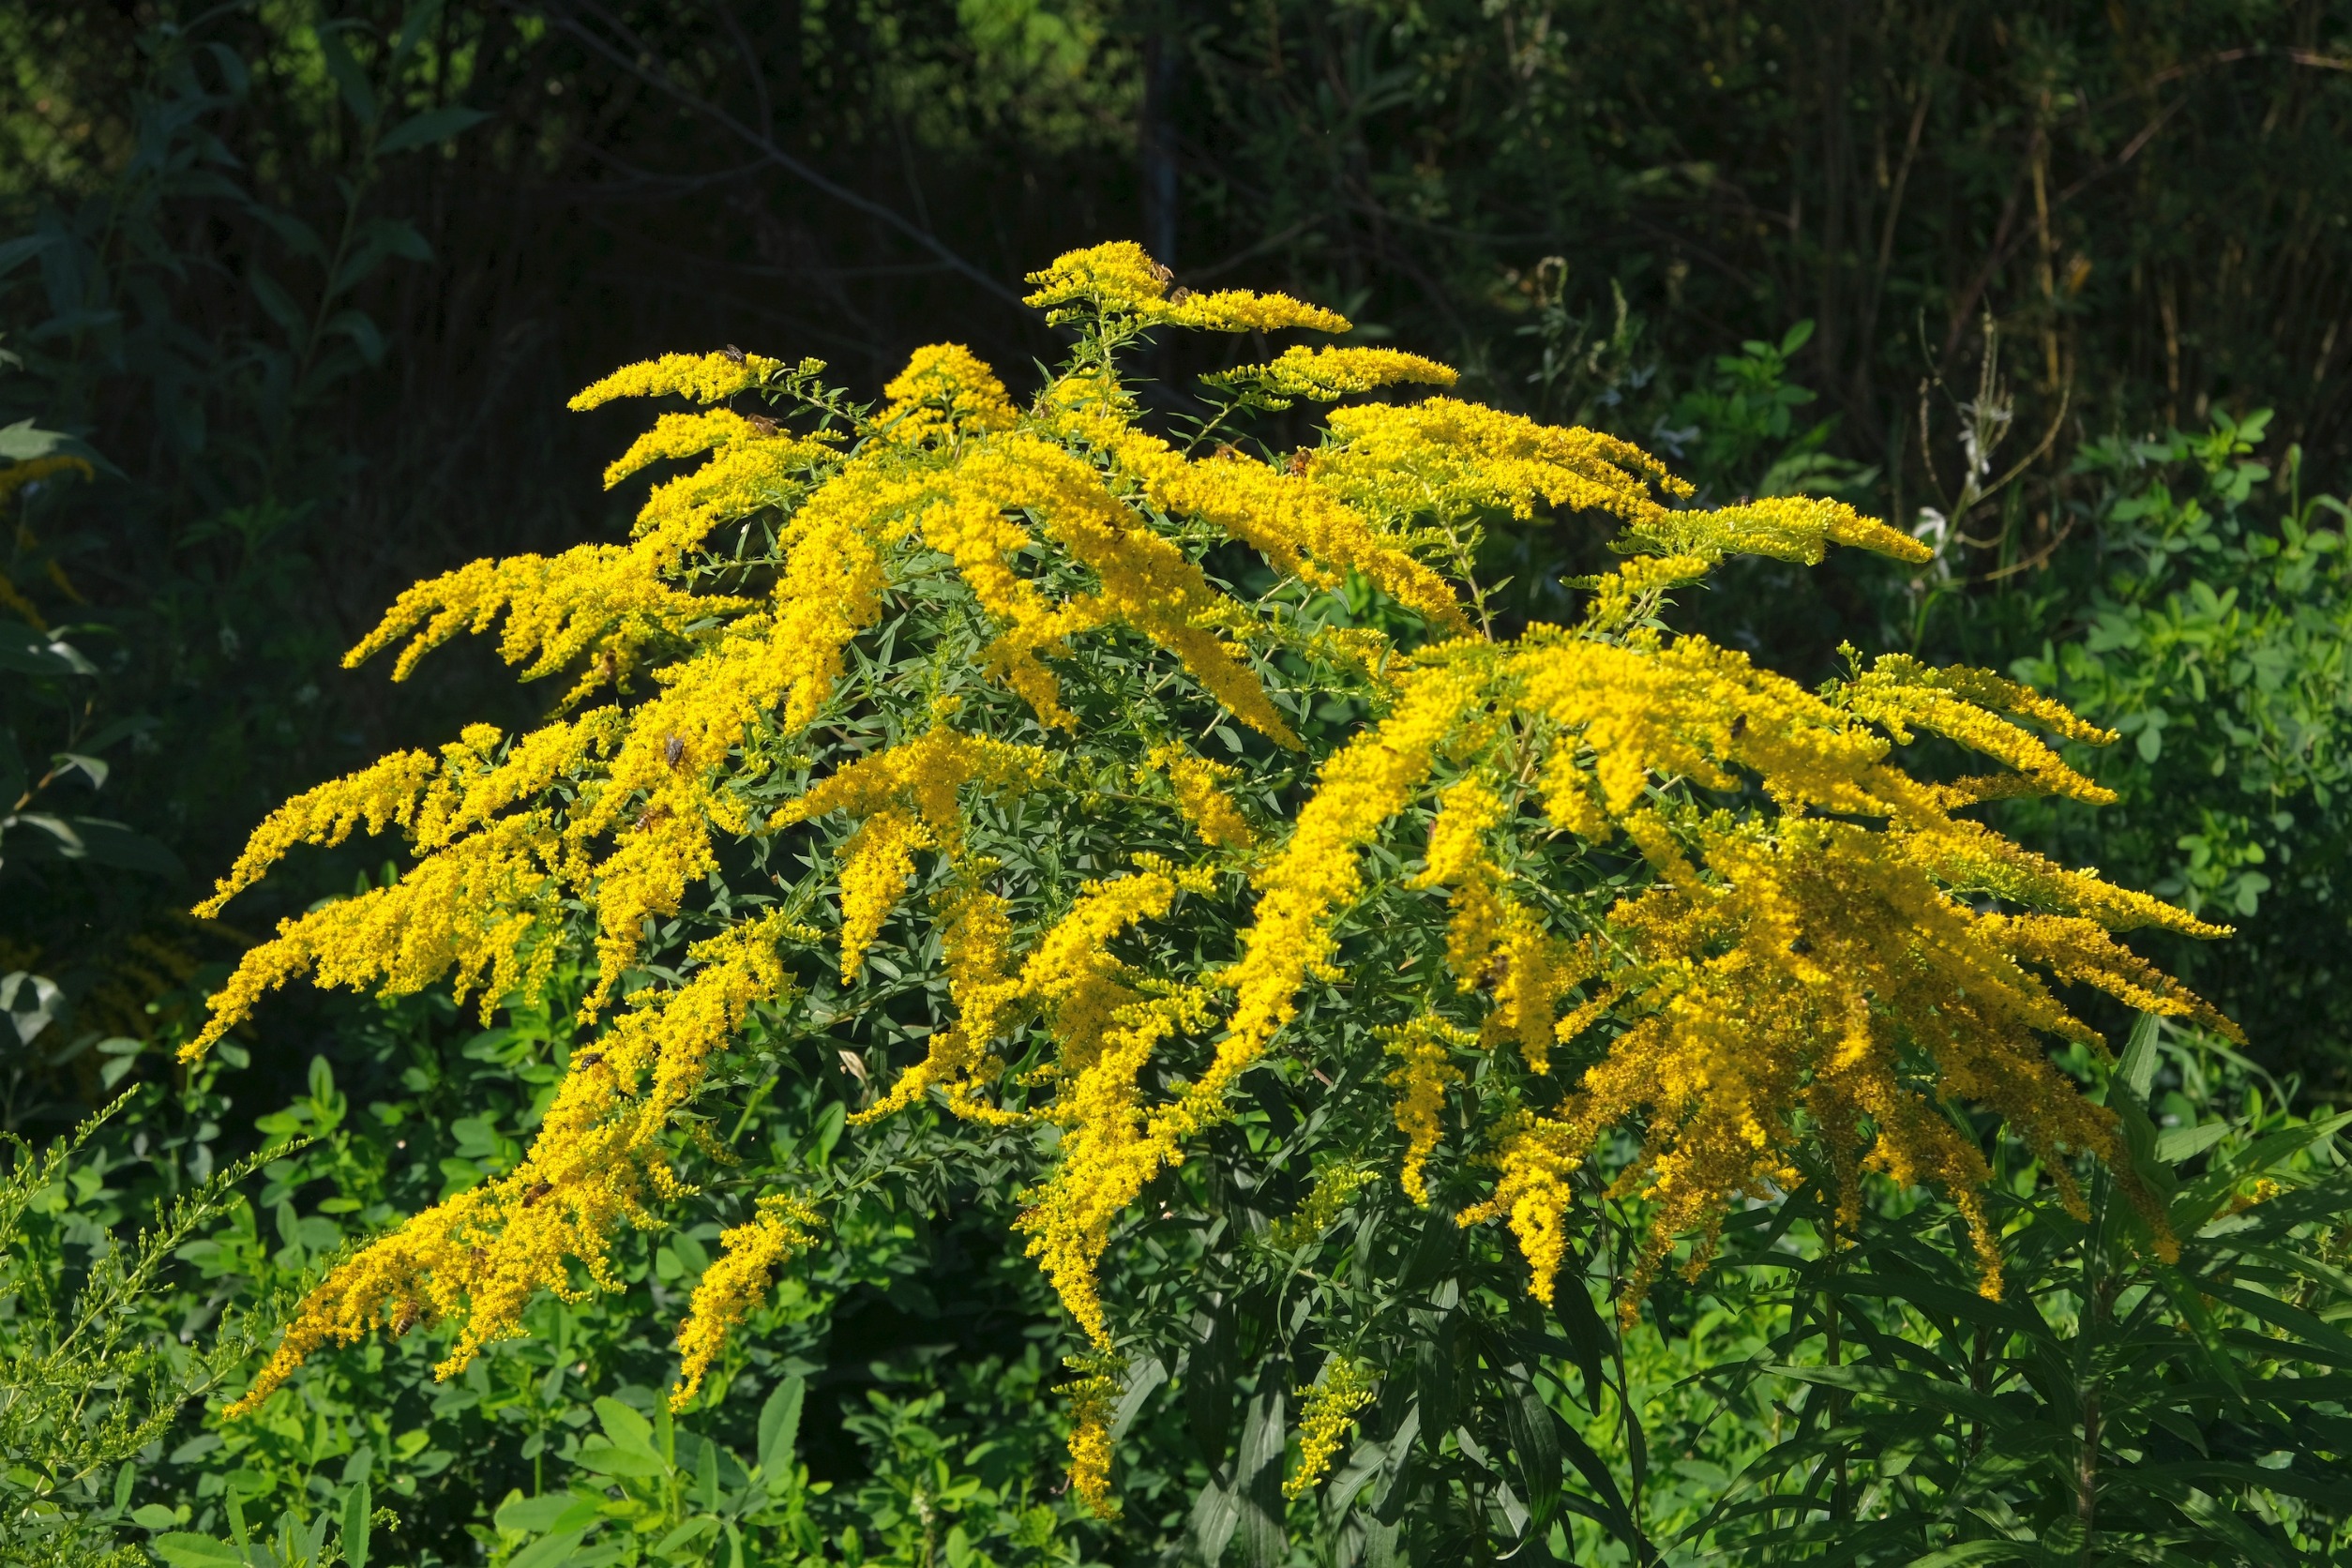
780 1427
1209 1372
432 125
14 254
360 328
2316 1340
2176 1144
109 843
555 1513
32 653
1216 1512
276 302
92 768
153 1516
2136 1070
2196 1207
420 15
1534 1434
550 1551
357 1511
611 1459
1905 1388
24 441
686 1533
706 1474
184 1551
1144 1377
1978 1551
349 80
1258 1473
624 1427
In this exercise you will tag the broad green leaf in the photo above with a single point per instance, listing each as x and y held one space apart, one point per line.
555 1513
1144 1377
25 440
550 1551
780 1427
185 1550
611 1459
1257 1473
357 1509
2176 1144
686 1534
623 1425
349 78
431 127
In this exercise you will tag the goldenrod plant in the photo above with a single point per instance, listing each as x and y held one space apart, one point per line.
1176 812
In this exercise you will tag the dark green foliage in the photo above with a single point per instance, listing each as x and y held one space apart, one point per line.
2210 620
2110 1407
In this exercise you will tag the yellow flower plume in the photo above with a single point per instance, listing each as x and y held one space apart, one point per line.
945 641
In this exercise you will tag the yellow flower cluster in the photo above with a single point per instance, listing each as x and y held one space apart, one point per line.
1444 459
1106 1030
1426 1070
1200 796
1120 282
31 471
1329 1411
1093 1394
14 477
1301 530
1494 941
977 938
708 378
906 798
1336 1187
1315 875
944 389
781 1228
608 603
1969 706
1833 955
595 1167
1786 527
1326 374
679 435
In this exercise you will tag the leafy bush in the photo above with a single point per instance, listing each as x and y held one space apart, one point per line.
1428 844
94 1367
2210 623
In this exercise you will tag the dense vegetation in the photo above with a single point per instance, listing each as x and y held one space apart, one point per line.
294 298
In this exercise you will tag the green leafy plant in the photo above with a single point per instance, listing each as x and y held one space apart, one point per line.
2110 1407
95 1366
2206 616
